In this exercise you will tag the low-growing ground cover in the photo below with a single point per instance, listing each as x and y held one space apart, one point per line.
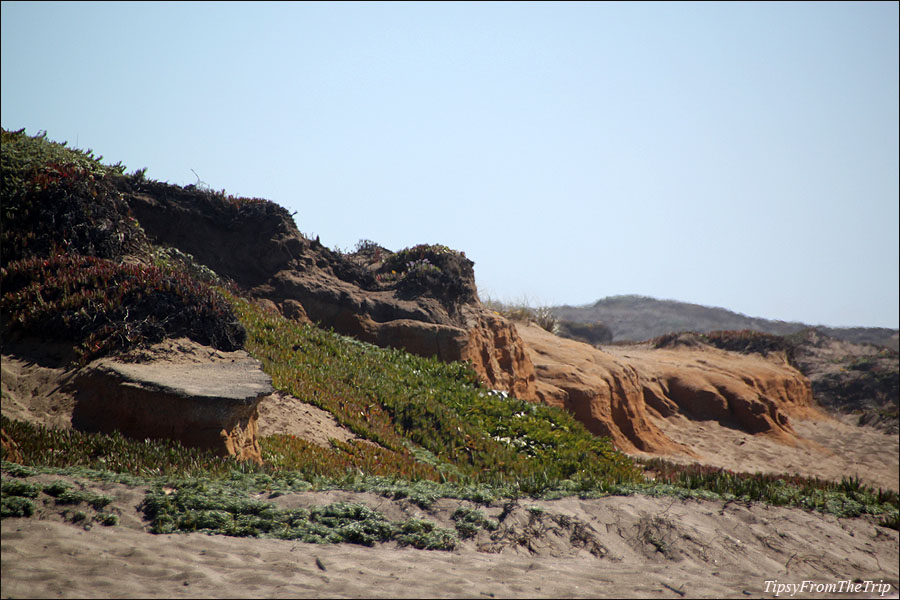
217 509
103 457
847 498
23 499
393 398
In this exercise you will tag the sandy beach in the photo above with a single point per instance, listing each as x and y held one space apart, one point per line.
624 546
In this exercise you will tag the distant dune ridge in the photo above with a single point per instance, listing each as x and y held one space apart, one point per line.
636 318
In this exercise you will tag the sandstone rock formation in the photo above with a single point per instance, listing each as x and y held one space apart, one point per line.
423 300
750 392
617 391
603 391
197 395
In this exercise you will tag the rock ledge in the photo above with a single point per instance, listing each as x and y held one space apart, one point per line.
188 392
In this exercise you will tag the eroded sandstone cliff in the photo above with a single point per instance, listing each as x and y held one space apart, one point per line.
615 392
423 299
603 391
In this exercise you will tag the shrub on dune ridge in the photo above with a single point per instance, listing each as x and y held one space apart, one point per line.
103 306
57 199
542 316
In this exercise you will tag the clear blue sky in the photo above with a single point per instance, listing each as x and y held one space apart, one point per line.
734 155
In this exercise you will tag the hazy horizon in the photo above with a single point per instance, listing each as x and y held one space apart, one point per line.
734 155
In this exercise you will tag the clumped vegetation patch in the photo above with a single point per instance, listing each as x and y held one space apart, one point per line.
589 333
16 498
746 341
469 521
542 316
217 205
216 509
847 498
432 269
865 385
23 499
57 199
749 341
102 306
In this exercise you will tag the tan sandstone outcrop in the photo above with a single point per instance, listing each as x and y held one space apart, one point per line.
437 313
497 352
489 342
750 392
196 395
602 391
615 392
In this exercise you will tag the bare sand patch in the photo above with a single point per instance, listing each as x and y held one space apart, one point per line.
284 414
827 448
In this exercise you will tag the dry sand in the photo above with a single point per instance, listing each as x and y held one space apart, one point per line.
827 447
608 547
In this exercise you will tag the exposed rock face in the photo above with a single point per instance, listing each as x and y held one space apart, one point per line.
199 396
615 392
745 391
602 391
497 352
423 300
